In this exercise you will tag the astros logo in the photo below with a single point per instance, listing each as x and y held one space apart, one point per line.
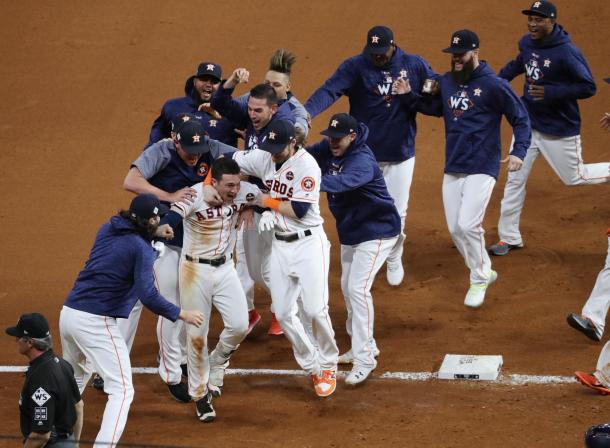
459 103
308 183
202 170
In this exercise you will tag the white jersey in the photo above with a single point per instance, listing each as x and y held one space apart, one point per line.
209 230
297 179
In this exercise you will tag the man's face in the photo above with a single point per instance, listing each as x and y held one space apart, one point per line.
206 86
539 27
285 154
227 187
462 66
23 345
380 60
280 83
260 112
189 159
339 145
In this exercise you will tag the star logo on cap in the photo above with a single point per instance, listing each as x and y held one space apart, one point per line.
271 135
210 67
375 39
536 5
186 118
213 123
547 62
456 40
403 73
196 138
334 123
477 92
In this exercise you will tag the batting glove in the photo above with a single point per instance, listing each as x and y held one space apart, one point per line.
267 222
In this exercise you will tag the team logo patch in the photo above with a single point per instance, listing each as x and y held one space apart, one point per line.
203 169
40 414
308 184
290 175
41 396
533 71
250 197
459 103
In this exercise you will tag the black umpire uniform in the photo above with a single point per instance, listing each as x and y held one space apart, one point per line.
49 395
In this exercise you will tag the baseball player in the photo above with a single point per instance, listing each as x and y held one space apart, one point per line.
368 225
198 90
300 249
118 272
472 100
208 277
366 80
556 77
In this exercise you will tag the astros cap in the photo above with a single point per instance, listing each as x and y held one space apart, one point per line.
181 118
192 138
33 325
340 125
379 40
463 41
209 69
279 134
146 206
598 436
541 8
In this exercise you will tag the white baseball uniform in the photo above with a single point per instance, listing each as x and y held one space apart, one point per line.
598 303
299 266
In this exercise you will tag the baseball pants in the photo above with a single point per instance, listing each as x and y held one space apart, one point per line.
202 286
564 155
465 198
359 266
300 269
597 305
93 342
398 177
602 372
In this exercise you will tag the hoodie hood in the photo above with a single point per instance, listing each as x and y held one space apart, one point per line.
558 36
189 90
482 70
121 225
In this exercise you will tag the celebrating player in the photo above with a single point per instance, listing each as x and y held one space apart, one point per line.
368 225
556 77
472 99
366 80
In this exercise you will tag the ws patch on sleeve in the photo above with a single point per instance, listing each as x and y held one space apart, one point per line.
41 396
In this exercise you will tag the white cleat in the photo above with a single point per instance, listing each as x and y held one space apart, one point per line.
395 273
348 357
476 293
358 375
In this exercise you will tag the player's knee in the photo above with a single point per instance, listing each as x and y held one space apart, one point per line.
239 329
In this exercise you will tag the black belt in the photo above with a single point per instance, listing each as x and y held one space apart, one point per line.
213 262
293 236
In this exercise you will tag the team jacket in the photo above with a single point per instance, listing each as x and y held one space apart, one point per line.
221 130
392 126
357 194
119 271
562 69
473 113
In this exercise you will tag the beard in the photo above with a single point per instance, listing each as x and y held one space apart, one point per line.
151 230
462 76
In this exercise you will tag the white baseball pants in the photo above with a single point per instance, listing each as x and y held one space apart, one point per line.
465 198
91 342
300 269
398 178
359 266
597 305
564 155
201 286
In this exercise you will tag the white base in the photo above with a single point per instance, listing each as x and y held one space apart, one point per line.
470 367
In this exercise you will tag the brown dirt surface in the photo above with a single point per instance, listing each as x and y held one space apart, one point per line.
82 82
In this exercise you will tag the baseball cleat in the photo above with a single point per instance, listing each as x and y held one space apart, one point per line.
215 390
590 381
395 273
275 329
179 392
97 382
348 357
358 375
585 326
502 248
325 383
204 408
476 293
253 319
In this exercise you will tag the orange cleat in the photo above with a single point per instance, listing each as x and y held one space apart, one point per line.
275 329
589 380
253 319
326 383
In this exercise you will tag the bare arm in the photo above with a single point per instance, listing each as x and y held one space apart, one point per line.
37 440
78 425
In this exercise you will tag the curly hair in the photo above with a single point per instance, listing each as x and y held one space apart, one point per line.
282 61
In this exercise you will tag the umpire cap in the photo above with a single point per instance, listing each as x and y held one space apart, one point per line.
32 325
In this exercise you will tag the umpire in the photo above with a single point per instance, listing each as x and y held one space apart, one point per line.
51 410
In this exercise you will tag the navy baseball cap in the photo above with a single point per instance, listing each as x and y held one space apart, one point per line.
541 9
463 41
379 40
598 436
33 325
279 134
192 137
146 206
340 125
181 118
209 69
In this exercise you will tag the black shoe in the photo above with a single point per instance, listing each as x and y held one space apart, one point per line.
585 326
97 382
205 410
179 392
185 370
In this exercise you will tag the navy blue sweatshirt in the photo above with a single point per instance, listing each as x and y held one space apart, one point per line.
473 113
357 194
221 130
392 127
561 68
119 271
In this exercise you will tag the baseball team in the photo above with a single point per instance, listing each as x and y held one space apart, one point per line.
209 220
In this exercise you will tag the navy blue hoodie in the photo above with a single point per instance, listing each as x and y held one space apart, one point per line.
221 130
473 113
368 88
561 68
119 271
357 194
